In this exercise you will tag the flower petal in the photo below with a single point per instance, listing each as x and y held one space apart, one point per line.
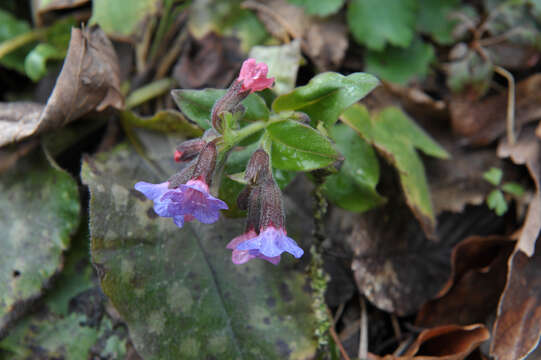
152 191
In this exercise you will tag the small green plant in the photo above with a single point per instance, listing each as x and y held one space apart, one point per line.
496 200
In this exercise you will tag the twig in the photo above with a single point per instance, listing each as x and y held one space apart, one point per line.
172 55
510 102
339 312
337 339
403 345
363 336
396 327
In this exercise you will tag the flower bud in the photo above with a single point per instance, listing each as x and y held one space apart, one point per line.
189 149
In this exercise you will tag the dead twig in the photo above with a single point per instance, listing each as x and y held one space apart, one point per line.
510 102
363 336
337 339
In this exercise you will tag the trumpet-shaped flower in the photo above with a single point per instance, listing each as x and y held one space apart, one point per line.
271 242
241 256
184 203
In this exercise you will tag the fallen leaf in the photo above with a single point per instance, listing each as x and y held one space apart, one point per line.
38 213
450 342
482 122
167 121
517 329
395 265
177 289
89 81
527 151
479 268
324 40
212 61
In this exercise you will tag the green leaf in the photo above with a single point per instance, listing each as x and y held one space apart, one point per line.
354 187
513 189
493 176
283 62
197 105
70 324
496 202
319 8
39 211
434 19
36 60
396 136
228 18
299 147
11 27
374 23
177 289
326 96
123 18
401 65
168 121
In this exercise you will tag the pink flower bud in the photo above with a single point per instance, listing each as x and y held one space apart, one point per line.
253 76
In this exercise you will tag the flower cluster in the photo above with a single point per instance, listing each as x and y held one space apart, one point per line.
186 195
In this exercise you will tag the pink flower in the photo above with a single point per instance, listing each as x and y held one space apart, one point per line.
254 76
271 242
241 256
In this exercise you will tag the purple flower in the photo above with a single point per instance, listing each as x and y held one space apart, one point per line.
272 242
185 202
241 256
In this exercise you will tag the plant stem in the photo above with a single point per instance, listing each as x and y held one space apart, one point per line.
148 92
13 44
241 134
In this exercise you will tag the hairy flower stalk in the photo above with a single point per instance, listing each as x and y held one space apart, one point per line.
265 236
185 196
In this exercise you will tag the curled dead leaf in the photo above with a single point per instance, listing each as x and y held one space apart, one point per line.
449 342
479 268
89 81
517 329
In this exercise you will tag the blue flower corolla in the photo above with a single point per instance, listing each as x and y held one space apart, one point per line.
272 242
185 202
242 256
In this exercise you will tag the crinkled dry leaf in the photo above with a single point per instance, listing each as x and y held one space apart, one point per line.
324 40
479 268
484 121
450 342
517 329
89 81
212 61
527 151
395 266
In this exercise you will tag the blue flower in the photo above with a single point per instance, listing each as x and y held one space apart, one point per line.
185 202
242 256
272 242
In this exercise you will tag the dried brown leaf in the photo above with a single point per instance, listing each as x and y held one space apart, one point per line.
517 329
89 81
527 151
484 121
212 61
41 8
395 265
450 342
479 268
324 40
